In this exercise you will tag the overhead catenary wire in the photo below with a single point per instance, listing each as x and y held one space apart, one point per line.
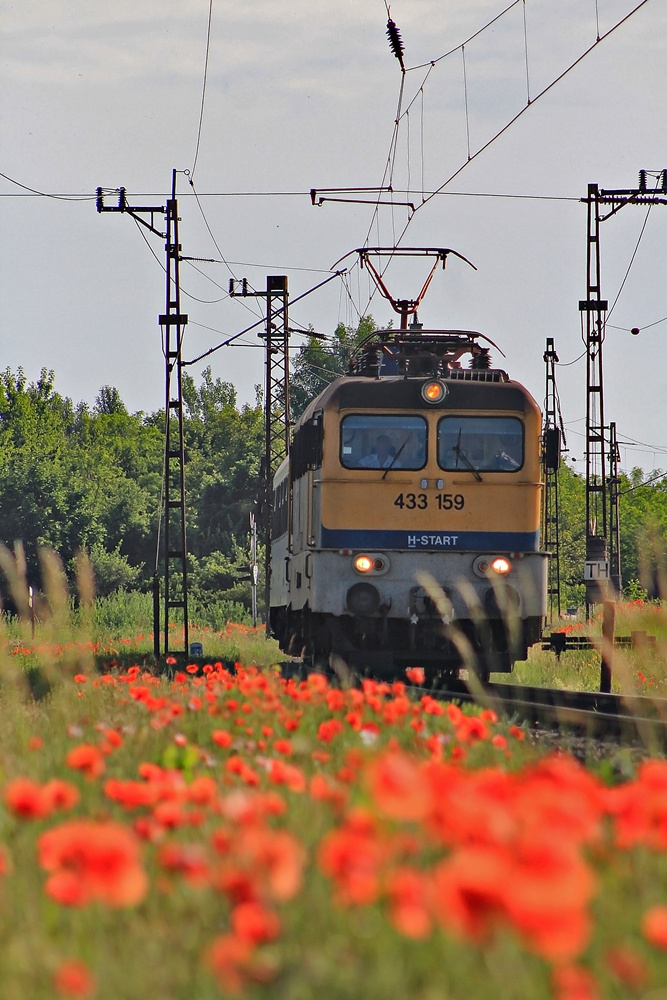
525 48
43 194
29 192
522 110
390 164
466 41
229 340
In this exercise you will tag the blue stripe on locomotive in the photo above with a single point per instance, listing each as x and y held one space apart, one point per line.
431 541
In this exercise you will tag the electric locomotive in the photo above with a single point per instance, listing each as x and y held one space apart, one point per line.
406 519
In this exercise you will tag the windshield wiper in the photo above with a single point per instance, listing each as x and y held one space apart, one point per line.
459 452
395 458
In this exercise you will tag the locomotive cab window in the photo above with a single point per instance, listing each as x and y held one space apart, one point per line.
371 441
480 444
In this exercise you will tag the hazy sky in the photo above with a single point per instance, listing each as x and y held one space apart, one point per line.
304 95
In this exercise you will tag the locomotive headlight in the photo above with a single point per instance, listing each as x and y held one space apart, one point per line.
489 566
434 391
363 564
372 563
501 565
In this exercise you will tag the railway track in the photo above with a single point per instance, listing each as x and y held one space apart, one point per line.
591 714
627 718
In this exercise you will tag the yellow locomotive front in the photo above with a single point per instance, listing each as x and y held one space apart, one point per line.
412 505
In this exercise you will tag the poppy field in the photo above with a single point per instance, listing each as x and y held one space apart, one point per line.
226 831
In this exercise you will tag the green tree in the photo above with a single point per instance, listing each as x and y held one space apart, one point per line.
643 527
73 479
109 401
572 535
319 363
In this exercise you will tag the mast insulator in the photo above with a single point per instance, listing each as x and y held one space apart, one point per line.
395 41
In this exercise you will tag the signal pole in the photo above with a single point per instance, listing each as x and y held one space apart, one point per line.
614 522
172 322
550 513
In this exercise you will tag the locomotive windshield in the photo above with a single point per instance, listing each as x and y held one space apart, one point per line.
371 441
480 444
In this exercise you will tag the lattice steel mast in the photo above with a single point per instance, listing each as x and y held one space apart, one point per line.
596 570
173 323
277 420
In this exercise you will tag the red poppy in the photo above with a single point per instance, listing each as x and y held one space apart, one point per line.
89 860
628 966
325 789
469 891
277 857
400 787
654 926
4 862
329 729
416 675
352 857
131 794
229 959
221 737
88 759
282 773
25 798
254 923
188 860
573 982
73 979
60 794
409 895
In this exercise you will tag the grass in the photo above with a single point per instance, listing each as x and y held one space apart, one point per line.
638 669
345 817
287 840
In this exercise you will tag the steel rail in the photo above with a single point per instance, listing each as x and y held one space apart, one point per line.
627 717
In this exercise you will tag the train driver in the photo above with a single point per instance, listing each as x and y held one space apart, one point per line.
504 452
383 457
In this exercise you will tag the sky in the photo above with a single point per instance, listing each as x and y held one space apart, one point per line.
302 95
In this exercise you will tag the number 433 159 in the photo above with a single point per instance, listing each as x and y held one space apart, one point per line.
420 501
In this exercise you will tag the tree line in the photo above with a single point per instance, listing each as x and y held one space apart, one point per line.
75 477
78 477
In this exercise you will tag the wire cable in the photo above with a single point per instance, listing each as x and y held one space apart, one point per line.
203 89
566 364
445 55
525 47
653 479
229 340
251 308
280 194
521 112
43 194
632 260
645 326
